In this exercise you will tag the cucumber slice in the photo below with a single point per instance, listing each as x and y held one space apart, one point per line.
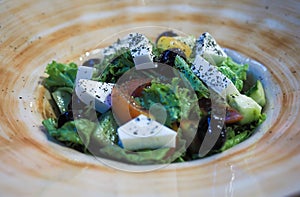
257 93
248 108
62 99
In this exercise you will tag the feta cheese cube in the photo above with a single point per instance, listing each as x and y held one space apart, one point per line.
214 79
94 93
208 48
145 133
139 46
141 51
84 72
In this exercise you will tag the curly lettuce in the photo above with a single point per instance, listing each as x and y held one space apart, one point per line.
60 83
237 73
181 65
239 133
68 135
60 75
113 67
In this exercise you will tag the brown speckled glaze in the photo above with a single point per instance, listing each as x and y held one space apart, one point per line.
33 33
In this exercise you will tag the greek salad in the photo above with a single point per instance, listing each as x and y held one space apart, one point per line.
146 102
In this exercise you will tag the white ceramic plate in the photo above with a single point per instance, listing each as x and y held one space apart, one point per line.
33 33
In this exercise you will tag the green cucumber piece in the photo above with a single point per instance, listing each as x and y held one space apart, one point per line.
246 106
257 93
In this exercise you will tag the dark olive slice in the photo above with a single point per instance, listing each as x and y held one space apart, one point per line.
65 117
169 55
91 62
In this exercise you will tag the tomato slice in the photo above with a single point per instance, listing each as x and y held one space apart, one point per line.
123 105
232 116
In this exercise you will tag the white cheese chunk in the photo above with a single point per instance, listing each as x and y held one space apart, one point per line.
84 72
140 48
208 48
245 105
145 133
213 77
94 93
141 51
143 62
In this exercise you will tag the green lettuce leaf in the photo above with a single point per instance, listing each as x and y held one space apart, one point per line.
113 67
239 133
106 131
158 156
82 134
68 135
60 82
237 73
163 94
60 75
178 102
188 102
195 82
62 99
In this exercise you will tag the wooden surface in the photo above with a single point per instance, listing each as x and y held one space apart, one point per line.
33 33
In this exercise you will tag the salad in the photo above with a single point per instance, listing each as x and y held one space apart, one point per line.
147 102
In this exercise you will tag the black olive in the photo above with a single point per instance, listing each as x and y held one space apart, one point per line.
91 62
76 101
166 33
202 131
205 105
65 117
169 55
221 140
194 147
76 106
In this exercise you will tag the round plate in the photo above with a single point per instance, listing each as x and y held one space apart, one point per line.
33 33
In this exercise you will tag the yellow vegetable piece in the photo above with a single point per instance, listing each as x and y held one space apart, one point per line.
169 42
